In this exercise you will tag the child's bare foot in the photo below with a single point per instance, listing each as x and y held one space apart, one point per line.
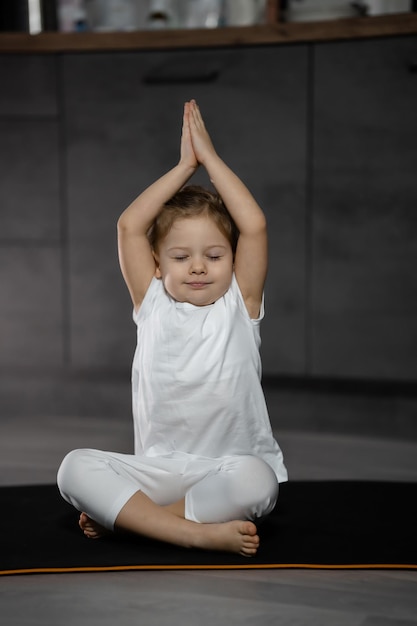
90 528
237 536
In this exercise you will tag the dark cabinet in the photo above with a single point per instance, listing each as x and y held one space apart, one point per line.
325 135
32 319
364 218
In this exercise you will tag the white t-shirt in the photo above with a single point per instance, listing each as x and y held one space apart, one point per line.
196 380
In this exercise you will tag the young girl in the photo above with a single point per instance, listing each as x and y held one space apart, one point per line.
206 466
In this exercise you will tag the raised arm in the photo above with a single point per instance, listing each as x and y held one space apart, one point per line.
251 258
135 255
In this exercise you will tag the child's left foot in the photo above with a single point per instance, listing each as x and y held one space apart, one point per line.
90 528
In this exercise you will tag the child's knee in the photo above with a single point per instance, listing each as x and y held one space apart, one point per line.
72 470
255 486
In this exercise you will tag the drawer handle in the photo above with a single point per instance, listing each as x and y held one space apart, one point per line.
169 74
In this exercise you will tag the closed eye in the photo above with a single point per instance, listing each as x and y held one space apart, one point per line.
214 257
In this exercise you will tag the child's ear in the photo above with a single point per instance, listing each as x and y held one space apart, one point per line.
157 269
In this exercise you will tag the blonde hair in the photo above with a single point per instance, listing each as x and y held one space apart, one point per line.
188 202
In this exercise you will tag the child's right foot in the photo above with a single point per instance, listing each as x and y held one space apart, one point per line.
237 536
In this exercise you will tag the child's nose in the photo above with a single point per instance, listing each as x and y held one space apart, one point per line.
198 266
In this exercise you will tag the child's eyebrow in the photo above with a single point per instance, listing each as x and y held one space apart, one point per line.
187 249
178 248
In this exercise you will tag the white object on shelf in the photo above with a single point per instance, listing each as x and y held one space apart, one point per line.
244 12
316 10
35 16
116 15
201 13
162 14
67 12
380 7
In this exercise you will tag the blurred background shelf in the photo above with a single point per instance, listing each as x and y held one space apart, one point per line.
273 32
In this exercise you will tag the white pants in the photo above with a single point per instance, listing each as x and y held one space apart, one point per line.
215 490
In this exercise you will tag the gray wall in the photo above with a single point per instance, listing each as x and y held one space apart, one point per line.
325 135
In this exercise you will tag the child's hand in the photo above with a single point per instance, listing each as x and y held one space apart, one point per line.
187 156
202 144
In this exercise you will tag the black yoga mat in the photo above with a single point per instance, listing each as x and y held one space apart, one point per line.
335 524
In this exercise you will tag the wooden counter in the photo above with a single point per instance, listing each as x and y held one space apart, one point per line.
268 34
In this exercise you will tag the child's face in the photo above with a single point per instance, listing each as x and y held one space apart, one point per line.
195 261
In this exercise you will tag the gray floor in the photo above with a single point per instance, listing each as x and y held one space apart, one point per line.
287 597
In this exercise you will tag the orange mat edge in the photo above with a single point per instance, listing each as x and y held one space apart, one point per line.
125 568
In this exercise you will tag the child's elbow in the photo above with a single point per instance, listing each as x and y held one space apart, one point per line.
122 225
259 225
